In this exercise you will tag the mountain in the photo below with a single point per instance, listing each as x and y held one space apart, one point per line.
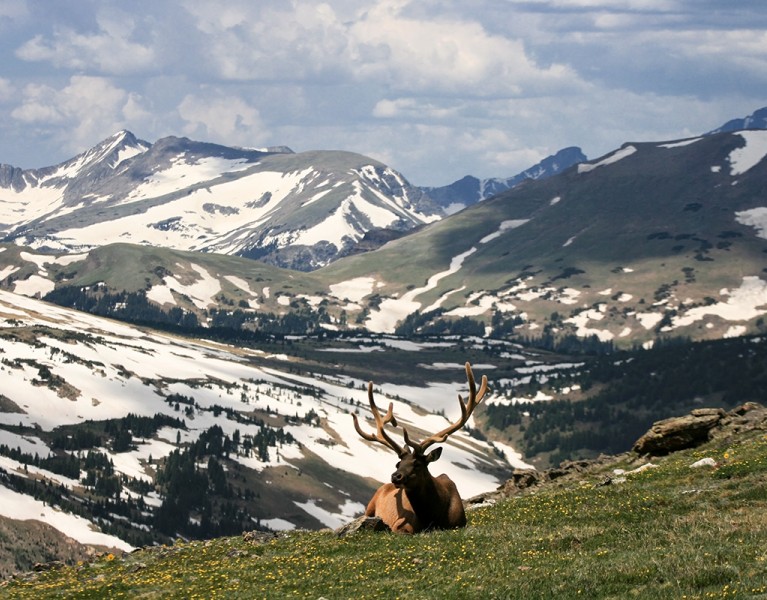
223 416
294 210
469 190
757 120
653 240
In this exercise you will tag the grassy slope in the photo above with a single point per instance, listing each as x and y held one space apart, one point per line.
667 532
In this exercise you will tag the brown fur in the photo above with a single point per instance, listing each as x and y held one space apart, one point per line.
424 502
394 508
415 500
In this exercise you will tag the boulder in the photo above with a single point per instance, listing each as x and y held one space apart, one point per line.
567 467
679 433
362 523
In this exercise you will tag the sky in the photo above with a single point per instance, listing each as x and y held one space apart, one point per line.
437 89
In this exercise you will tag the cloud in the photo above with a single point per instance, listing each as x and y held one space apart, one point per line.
377 44
436 88
222 118
13 10
109 50
447 56
271 40
678 47
80 114
416 108
7 90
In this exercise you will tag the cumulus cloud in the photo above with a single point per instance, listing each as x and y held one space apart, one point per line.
378 44
7 90
436 88
446 55
221 118
82 113
108 50
271 40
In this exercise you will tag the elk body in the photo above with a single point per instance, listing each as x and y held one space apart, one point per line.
415 500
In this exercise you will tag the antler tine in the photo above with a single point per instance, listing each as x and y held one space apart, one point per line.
380 436
475 397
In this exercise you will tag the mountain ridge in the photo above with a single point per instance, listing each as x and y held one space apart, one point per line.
296 210
469 189
652 240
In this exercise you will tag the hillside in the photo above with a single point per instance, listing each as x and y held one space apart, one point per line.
686 525
653 240
138 436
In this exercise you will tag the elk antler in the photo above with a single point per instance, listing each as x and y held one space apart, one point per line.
381 436
475 397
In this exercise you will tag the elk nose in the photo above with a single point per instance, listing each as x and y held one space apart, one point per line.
396 477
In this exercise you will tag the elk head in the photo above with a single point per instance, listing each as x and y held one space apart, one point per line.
433 501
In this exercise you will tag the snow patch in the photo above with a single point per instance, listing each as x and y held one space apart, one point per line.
750 155
330 519
33 286
353 290
609 160
756 218
23 508
749 301
393 310
680 144
505 226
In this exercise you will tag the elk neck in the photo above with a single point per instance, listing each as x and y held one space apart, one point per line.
424 498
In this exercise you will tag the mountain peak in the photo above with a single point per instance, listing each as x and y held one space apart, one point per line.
756 120
469 189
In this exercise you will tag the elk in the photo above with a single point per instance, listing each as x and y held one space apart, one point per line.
415 500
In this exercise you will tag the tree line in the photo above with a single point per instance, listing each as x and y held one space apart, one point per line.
636 388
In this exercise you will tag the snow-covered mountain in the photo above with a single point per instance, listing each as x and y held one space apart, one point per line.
93 409
470 190
294 210
653 240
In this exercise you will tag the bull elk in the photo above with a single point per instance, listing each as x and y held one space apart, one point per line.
415 500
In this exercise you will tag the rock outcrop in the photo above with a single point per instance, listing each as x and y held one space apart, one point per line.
679 433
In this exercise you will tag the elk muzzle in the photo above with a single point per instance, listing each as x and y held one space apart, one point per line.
409 468
398 479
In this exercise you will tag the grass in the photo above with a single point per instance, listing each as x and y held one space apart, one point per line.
667 532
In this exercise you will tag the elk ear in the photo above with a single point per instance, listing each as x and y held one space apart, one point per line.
433 455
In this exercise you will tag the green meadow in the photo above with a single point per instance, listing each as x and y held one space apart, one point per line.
671 531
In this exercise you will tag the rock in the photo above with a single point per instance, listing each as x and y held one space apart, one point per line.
521 479
259 537
49 566
703 462
568 466
679 433
362 523
642 468
746 408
